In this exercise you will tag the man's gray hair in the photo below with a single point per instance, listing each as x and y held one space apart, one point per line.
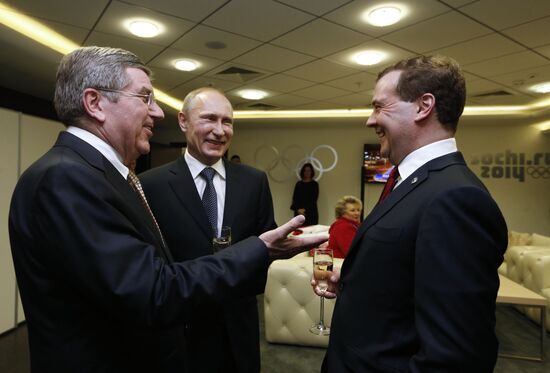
91 67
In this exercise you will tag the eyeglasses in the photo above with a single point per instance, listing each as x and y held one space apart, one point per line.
148 98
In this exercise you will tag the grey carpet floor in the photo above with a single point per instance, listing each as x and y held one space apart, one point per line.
516 334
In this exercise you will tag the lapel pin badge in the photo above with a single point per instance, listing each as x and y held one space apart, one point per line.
414 180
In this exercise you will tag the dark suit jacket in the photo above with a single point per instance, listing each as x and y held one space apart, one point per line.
99 290
418 288
218 328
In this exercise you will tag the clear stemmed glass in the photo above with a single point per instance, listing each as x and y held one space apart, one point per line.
322 269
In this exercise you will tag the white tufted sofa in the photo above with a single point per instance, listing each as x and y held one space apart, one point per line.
290 306
527 262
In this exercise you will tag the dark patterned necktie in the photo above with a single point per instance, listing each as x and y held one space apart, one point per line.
134 182
390 184
209 198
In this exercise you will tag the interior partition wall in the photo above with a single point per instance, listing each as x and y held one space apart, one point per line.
24 139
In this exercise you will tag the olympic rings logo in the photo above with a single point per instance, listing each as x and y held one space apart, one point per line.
280 166
539 172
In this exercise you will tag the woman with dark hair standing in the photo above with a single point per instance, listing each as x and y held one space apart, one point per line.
304 198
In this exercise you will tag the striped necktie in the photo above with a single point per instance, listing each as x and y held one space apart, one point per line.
134 182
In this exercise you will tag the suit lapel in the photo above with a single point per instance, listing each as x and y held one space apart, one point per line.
96 160
185 190
231 193
407 186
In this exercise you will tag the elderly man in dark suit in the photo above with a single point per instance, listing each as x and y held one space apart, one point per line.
417 290
223 337
100 289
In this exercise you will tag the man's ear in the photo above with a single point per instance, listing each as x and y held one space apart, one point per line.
91 100
426 105
182 120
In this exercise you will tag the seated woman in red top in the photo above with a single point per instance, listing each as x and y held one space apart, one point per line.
348 212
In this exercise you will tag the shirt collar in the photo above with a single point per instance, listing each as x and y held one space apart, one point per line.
416 159
196 166
101 146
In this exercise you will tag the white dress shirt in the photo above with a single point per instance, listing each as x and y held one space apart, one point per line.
101 146
416 159
196 167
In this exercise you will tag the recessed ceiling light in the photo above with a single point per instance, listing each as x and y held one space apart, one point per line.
252 94
144 28
384 16
541 87
368 57
186 64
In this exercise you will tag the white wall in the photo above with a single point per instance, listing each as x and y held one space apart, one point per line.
24 139
9 168
525 205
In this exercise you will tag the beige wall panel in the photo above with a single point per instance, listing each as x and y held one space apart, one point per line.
9 148
525 204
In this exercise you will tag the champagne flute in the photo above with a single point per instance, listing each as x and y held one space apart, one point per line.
322 270
223 240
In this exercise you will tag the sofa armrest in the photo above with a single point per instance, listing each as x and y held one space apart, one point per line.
290 305
514 258
536 277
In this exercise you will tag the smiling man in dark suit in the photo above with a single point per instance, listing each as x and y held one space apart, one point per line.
100 289
222 337
417 290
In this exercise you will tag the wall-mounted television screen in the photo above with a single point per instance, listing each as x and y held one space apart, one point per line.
376 168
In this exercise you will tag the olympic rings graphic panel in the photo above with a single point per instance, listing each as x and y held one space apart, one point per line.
282 165
538 172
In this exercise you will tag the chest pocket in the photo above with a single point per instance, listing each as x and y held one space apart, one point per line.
383 234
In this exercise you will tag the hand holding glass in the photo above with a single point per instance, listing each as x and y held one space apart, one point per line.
322 270
223 240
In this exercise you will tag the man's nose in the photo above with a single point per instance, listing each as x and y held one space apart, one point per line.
156 112
371 121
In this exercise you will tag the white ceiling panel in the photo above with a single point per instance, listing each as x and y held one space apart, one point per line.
506 64
321 71
321 92
352 15
486 47
261 58
77 13
533 34
306 39
145 51
189 9
195 41
283 83
118 14
353 101
234 94
166 59
261 19
316 105
182 90
355 83
438 32
288 100
458 3
312 41
317 7
483 86
392 54
168 79
524 79
545 51
501 14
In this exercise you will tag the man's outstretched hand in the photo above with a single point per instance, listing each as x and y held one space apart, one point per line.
280 246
